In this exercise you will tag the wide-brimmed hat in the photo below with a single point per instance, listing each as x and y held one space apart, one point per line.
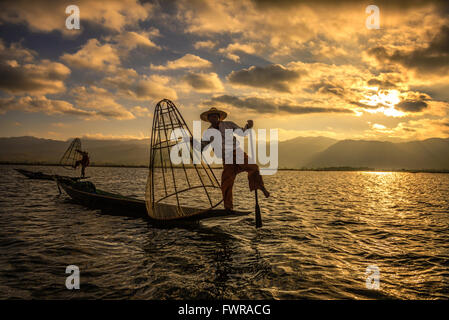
205 114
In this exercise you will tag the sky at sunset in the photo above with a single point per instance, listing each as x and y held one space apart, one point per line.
309 68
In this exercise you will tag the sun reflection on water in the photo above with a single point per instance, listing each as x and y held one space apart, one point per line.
378 172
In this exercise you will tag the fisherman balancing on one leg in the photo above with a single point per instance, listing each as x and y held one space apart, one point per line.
230 170
84 162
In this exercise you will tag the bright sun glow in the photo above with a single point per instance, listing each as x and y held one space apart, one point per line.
386 100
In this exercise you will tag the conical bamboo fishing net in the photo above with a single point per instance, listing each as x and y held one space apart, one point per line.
71 156
177 191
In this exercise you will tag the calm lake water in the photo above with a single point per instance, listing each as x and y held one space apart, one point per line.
321 231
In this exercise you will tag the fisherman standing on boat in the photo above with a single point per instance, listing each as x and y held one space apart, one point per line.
84 162
216 117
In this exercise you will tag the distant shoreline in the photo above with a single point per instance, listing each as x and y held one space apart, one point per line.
46 164
362 169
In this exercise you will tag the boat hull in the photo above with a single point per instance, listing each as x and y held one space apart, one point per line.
34 174
118 205
109 204
37 175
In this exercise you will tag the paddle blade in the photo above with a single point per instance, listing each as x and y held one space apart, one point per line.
258 217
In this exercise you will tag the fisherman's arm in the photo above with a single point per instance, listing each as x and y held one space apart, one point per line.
203 143
249 124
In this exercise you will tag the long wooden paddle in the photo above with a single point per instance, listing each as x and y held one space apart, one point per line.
257 209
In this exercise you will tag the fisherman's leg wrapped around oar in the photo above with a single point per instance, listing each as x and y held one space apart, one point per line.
228 177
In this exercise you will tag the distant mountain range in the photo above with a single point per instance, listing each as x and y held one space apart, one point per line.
427 154
101 152
297 153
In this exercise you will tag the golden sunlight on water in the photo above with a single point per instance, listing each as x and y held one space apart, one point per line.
377 172
321 232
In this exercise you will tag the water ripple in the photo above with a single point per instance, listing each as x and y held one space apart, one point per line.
321 231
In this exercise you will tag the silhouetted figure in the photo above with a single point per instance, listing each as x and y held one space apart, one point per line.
84 162
216 117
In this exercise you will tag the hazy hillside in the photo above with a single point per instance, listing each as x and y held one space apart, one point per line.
297 152
292 153
426 154
129 152
30 149
301 152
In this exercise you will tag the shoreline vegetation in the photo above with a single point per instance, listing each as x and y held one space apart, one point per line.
363 169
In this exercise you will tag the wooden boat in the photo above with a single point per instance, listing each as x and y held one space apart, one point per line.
159 205
35 174
88 195
67 161
43 176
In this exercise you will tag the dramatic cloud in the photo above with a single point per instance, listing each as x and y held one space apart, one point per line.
366 105
281 30
130 40
384 84
413 102
204 82
94 56
121 80
22 73
288 4
327 87
101 136
274 77
421 129
411 106
232 48
278 58
15 52
47 15
268 105
284 30
433 58
154 87
189 61
41 104
45 77
258 104
393 103
305 110
129 84
101 102
208 44
141 111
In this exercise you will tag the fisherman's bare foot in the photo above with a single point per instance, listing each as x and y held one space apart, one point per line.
265 192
